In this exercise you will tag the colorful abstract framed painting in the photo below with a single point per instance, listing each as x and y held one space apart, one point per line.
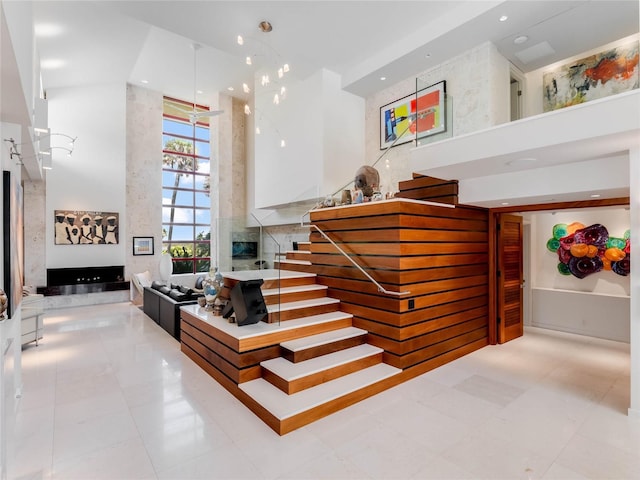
431 111
395 125
606 73
414 116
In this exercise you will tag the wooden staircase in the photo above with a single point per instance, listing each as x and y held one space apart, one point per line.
309 359
305 363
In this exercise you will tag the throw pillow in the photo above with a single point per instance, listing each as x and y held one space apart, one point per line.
144 278
186 290
178 296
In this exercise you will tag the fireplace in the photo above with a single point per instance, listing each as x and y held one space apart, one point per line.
69 281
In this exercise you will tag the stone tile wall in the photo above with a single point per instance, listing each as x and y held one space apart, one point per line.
144 177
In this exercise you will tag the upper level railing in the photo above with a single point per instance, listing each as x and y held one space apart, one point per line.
444 111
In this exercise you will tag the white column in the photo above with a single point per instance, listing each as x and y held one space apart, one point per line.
634 191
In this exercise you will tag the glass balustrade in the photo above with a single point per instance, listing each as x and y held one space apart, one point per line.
243 249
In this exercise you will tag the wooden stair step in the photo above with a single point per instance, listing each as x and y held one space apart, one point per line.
294 293
300 255
293 289
263 334
301 308
319 401
295 265
265 274
273 278
312 302
295 262
295 377
309 347
304 246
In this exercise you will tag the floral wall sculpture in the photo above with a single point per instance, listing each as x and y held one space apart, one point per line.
585 250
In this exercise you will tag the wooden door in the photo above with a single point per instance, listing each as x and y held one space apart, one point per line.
509 277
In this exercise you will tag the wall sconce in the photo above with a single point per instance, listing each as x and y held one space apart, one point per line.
72 140
13 150
68 150
45 148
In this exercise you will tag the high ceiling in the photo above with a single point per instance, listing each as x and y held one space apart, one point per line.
103 41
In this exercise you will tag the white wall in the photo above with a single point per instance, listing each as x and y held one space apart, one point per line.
323 130
477 82
19 16
94 178
550 182
293 173
634 173
343 135
477 87
10 333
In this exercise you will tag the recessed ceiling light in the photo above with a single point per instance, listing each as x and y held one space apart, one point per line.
535 52
200 92
595 195
520 39
503 18
230 89
47 30
144 81
52 63
504 203
427 55
521 161
383 78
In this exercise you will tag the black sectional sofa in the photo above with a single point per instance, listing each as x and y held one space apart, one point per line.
162 303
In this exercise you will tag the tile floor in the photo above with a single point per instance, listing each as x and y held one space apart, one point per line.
108 394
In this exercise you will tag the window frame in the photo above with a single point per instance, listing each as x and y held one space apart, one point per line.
197 262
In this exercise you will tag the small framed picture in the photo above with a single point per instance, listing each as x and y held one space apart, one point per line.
143 245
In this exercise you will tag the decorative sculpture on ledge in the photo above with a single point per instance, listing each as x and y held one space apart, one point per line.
212 287
367 180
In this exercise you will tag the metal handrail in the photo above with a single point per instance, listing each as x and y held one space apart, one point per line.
381 289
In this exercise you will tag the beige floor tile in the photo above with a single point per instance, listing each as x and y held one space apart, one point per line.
108 394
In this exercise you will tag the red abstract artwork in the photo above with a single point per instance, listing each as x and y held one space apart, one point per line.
597 76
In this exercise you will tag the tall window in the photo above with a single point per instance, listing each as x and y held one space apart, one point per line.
186 205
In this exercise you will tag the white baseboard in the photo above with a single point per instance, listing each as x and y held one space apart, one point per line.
634 413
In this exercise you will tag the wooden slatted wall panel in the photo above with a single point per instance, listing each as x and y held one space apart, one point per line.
439 254
429 188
